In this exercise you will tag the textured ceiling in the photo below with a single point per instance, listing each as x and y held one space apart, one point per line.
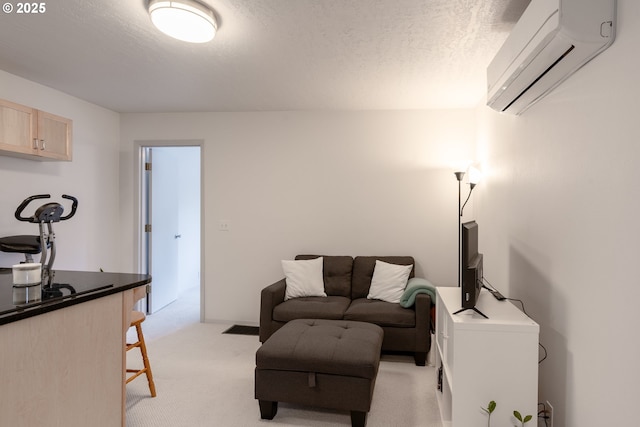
267 55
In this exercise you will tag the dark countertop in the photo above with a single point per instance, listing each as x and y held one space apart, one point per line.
65 289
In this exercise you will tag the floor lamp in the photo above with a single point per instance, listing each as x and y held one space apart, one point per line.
473 180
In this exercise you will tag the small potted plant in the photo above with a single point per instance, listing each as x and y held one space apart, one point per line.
489 410
492 407
519 417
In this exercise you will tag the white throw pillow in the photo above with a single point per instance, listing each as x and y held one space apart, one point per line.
303 278
389 281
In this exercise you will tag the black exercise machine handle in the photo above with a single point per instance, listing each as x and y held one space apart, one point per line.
74 206
24 204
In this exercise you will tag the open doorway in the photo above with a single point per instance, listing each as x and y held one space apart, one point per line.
170 221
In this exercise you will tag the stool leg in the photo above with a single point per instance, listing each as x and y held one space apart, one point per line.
358 418
145 360
268 409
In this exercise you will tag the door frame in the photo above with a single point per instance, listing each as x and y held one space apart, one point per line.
139 220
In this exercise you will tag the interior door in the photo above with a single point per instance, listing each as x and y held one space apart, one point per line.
165 236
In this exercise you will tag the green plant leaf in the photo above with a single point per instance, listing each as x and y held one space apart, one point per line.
490 407
527 418
517 415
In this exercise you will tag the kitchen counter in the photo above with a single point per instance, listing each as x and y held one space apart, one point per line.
63 357
65 289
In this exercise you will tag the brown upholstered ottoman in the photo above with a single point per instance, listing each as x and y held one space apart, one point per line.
322 363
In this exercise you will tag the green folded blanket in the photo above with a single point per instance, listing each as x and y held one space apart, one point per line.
415 286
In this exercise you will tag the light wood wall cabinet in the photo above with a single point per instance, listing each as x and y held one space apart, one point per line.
33 134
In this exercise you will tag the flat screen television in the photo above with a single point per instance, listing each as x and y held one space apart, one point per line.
471 261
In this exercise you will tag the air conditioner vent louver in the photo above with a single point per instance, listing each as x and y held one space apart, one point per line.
544 73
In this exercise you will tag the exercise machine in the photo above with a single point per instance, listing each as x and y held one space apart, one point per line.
45 242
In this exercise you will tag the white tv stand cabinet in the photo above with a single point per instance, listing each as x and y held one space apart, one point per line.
479 360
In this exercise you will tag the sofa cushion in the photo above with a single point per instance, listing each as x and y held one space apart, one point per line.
389 281
381 313
337 273
330 307
363 267
303 278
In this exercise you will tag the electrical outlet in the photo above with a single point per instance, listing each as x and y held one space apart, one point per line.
223 225
549 413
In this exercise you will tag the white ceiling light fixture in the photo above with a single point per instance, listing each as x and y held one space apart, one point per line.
185 20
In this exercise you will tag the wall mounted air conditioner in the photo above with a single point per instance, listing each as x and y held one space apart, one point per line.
551 41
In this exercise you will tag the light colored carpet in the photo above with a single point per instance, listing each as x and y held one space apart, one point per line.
205 378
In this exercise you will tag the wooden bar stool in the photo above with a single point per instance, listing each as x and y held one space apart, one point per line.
137 318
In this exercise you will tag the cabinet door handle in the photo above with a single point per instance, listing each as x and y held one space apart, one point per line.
42 144
35 143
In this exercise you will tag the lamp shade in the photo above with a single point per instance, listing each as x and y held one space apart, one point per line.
185 20
474 175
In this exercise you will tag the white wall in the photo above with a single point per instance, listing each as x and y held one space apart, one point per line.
354 183
88 241
558 214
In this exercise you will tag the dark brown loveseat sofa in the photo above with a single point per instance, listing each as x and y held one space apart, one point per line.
346 283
